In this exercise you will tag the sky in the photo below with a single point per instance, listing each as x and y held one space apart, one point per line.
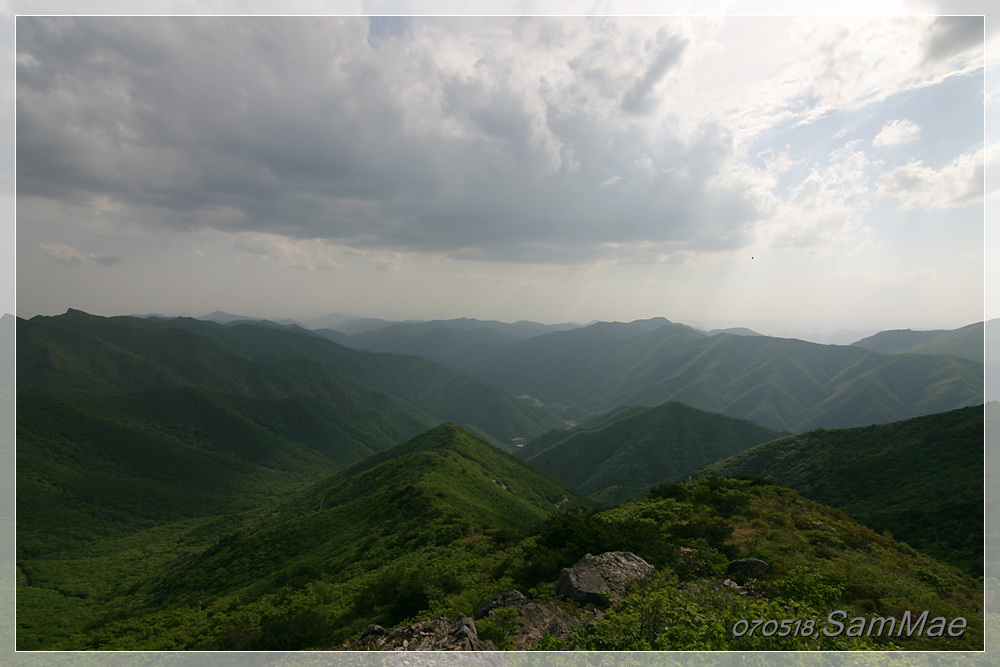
788 173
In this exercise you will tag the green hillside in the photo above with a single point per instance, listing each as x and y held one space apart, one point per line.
185 485
81 353
920 479
619 457
780 383
77 352
411 517
91 467
440 486
314 574
966 342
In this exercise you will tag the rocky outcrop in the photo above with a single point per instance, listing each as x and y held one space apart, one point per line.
505 599
597 580
536 619
440 634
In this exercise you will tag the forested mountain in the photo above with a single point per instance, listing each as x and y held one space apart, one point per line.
966 342
620 456
780 383
920 479
92 467
507 331
81 352
461 343
184 484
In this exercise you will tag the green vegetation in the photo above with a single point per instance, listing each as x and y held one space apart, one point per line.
377 542
820 561
99 466
303 578
77 352
920 480
441 391
966 342
184 485
780 383
618 457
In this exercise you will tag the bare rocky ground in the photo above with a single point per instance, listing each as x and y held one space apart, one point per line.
593 582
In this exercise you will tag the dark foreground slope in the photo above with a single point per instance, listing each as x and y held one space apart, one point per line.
620 457
920 479
376 542
92 467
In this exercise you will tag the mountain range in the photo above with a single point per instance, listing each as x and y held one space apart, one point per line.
184 484
784 384
81 352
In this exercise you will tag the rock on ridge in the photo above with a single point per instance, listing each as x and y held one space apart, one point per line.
536 618
440 634
597 580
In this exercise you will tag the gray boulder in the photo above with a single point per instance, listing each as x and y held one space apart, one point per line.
597 580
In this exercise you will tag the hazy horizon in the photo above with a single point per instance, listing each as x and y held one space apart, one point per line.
816 331
788 174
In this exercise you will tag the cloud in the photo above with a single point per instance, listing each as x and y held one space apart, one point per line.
491 139
897 132
70 256
919 187
949 36
293 253
299 128
637 99
824 211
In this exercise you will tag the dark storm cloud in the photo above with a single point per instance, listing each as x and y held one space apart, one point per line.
951 35
302 127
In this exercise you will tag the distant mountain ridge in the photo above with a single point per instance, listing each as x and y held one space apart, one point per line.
81 352
456 342
966 342
786 384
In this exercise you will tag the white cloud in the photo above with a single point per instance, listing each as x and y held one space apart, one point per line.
918 186
70 256
825 211
293 253
897 132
